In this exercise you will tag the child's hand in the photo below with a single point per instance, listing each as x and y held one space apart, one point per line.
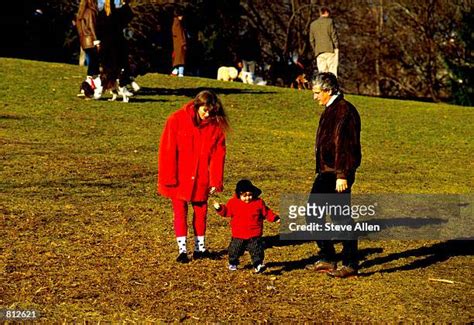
216 204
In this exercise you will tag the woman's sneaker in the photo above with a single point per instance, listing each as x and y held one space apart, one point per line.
232 267
182 258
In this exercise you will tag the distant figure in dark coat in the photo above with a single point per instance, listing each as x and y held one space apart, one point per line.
114 47
179 44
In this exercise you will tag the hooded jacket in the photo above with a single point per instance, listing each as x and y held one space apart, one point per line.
191 156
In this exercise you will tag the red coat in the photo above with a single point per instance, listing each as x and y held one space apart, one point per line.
191 157
246 218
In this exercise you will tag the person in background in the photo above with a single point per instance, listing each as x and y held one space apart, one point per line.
179 44
86 27
325 43
249 54
113 17
191 165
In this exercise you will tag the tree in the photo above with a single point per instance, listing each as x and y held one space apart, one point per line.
397 48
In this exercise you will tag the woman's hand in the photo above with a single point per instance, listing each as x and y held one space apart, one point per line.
216 204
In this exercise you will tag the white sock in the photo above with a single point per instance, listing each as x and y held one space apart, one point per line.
199 244
181 244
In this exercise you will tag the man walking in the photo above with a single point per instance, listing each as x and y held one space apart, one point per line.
338 154
324 41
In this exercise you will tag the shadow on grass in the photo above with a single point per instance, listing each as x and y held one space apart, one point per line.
7 116
192 92
305 263
427 256
133 100
218 255
137 99
287 266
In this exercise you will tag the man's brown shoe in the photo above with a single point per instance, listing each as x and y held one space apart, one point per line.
343 272
323 266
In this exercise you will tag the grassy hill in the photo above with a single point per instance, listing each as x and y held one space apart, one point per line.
85 237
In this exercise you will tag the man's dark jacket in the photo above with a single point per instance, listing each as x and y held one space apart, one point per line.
338 139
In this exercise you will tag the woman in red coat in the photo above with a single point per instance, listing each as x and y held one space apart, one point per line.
191 165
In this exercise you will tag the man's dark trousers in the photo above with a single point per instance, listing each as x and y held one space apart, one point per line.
325 183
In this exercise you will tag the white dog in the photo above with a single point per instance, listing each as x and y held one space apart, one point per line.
120 91
227 73
246 77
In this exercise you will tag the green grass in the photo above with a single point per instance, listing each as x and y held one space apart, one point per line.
85 237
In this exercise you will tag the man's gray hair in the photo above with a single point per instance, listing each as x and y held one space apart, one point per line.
327 81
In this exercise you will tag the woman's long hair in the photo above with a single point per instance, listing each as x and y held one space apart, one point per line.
216 111
84 4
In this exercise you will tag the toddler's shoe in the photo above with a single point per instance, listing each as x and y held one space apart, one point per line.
232 267
260 268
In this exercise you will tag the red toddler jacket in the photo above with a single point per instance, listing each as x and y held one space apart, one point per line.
246 218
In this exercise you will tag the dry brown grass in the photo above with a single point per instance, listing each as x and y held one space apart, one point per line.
83 236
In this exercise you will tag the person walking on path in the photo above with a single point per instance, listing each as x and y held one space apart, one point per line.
325 43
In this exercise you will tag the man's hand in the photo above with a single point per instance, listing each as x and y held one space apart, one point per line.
341 185
212 190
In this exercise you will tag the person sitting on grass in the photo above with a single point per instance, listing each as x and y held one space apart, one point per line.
247 212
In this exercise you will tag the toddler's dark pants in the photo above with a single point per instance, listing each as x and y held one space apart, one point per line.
254 246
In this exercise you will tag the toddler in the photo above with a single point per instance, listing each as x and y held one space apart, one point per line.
247 212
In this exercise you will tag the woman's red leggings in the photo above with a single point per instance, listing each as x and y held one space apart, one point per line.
180 210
